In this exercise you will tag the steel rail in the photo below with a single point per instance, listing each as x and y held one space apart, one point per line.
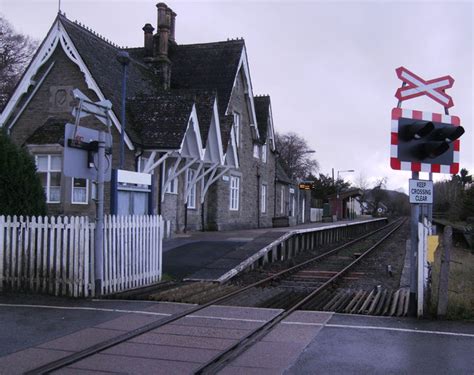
214 365
94 349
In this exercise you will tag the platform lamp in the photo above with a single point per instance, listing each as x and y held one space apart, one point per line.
124 59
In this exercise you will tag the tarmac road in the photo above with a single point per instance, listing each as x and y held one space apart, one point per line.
354 344
307 342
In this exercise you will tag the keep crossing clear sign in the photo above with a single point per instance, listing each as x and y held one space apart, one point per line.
420 191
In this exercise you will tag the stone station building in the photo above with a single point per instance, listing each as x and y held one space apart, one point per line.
192 121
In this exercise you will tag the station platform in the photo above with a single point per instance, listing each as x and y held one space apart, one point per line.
219 256
36 331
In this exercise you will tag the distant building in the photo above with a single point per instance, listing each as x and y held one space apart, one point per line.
346 204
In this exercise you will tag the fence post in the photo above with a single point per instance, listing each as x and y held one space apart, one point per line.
99 229
444 272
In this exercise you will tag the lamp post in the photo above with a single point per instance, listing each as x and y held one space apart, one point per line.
337 189
123 58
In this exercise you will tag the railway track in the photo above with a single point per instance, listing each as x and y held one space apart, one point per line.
277 288
300 297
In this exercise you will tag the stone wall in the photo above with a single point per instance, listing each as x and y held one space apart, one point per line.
252 172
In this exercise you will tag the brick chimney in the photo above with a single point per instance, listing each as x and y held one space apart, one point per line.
148 43
161 45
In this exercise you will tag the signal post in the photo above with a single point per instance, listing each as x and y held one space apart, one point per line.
423 142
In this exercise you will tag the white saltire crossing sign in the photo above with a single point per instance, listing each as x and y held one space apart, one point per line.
417 86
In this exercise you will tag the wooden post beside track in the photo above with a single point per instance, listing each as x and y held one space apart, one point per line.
444 272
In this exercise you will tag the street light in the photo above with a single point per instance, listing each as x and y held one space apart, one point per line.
123 58
337 189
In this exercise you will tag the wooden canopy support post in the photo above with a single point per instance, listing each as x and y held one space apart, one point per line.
193 182
175 174
152 164
167 178
213 178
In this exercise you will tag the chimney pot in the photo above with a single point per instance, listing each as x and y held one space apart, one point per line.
161 45
173 26
148 36
163 20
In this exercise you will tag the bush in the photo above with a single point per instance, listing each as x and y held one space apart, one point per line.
21 192
468 204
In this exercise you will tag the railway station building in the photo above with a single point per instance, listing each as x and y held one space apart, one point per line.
192 121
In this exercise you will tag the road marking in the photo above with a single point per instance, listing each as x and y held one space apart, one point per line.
409 330
85 308
143 301
127 312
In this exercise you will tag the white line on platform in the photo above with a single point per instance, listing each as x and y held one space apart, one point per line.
232 319
303 323
85 308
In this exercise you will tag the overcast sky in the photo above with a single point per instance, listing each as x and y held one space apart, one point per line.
329 67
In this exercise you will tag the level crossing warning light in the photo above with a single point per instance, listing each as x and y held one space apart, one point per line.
424 141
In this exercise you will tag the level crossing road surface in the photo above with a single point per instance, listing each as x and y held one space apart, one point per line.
37 330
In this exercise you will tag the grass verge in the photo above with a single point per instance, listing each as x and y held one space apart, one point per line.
460 285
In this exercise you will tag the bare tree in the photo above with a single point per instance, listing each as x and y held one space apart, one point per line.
362 182
16 51
379 194
295 155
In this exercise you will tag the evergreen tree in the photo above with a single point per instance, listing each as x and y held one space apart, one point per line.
324 185
21 192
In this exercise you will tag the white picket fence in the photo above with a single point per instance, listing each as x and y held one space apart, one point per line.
55 255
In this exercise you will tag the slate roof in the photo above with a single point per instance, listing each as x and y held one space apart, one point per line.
51 132
262 104
226 128
205 71
201 73
161 120
100 58
204 106
207 66
347 193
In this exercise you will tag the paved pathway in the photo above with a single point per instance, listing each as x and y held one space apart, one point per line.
305 343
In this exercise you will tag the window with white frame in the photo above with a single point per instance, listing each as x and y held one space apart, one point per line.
141 164
234 193
263 199
264 153
172 187
80 191
192 191
256 151
282 199
49 170
237 128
